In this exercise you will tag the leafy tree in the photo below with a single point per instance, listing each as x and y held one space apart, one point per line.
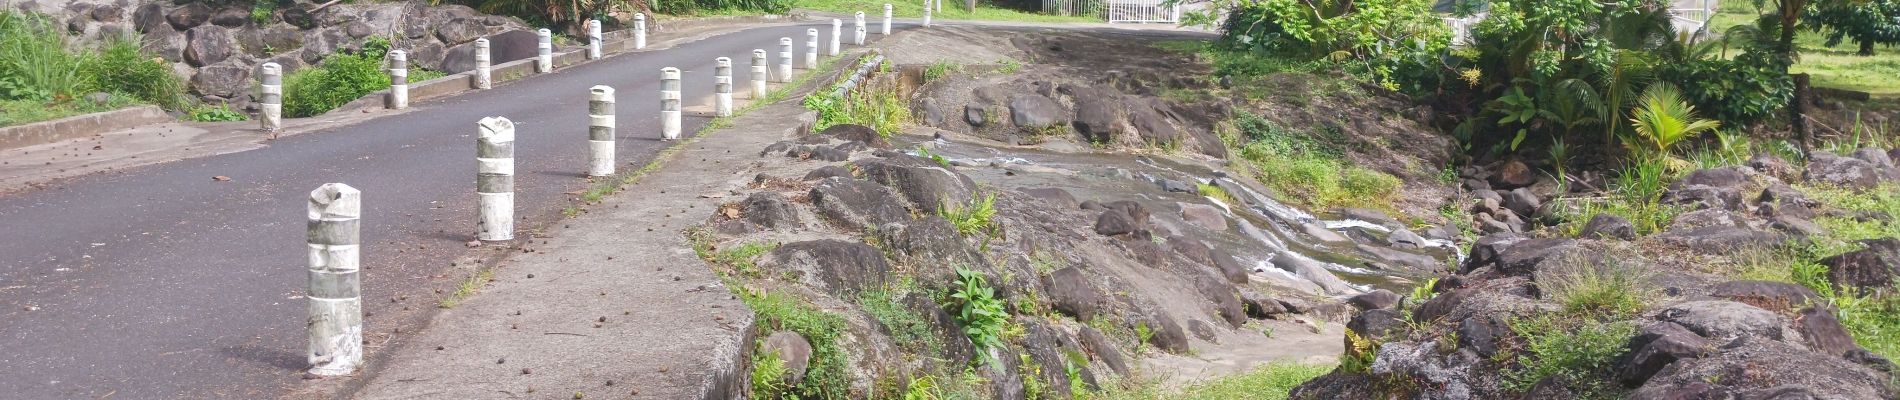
1867 23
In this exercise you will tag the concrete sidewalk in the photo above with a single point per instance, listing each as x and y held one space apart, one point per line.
615 303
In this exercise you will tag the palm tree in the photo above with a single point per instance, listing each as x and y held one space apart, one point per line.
1663 118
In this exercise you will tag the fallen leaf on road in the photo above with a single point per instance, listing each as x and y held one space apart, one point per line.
474 243
221 178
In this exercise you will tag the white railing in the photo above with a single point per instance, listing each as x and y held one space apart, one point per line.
1140 11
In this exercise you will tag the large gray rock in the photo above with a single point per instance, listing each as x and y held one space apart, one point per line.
856 205
1115 222
1703 197
1097 119
1769 164
188 16
1310 270
459 31
770 210
1658 345
223 80
928 241
1374 300
1843 171
1070 292
503 47
165 42
1103 349
1821 330
842 269
231 17
427 55
148 17
1606 226
930 187
1526 257
1168 335
1522 201
1872 268
856 133
1721 239
1877 157
1154 128
1036 112
1724 177
793 350
1724 321
1759 368
1772 296
207 45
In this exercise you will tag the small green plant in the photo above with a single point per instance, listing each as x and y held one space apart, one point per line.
1033 386
1361 351
981 313
261 11
1010 66
910 330
1216 192
1582 352
922 388
978 218
1143 334
1559 159
468 287
768 375
941 69
221 113
925 153
1607 289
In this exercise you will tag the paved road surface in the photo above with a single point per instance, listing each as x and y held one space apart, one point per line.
161 283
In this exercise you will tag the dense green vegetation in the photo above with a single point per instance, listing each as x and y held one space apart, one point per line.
44 75
875 103
342 78
1308 168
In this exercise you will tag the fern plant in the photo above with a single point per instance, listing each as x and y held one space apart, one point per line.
1662 118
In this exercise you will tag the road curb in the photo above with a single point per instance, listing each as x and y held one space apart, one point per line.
79 126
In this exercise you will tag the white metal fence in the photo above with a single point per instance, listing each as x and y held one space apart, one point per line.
1140 11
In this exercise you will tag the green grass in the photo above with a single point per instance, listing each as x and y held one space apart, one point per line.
976 218
876 104
1267 382
222 113
1836 67
19 112
941 69
1602 289
908 328
468 287
1579 350
1216 192
1308 169
952 10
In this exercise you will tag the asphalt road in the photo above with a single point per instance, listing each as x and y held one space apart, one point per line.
162 283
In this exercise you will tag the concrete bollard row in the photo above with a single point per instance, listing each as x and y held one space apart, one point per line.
784 60
758 74
544 61
886 30
398 80
335 323
722 87
484 68
639 30
857 35
593 39
600 131
811 48
837 27
495 179
669 103
270 97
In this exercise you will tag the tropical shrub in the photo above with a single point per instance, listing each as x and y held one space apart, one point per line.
1380 38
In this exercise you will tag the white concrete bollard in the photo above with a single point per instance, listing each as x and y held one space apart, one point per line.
927 12
939 5
784 60
837 29
811 48
758 74
857 35
398 80
495 179
270 97
722 87
593 39
639 30
669 103
333 239
886 30
544 63
600 131
484 70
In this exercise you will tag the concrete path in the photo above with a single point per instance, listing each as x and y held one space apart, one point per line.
613 305
161 282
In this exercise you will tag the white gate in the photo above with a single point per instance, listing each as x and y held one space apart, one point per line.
1141 11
